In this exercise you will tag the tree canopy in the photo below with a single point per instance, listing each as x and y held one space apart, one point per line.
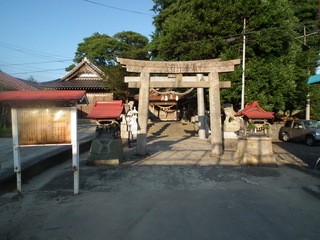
277 60
103 50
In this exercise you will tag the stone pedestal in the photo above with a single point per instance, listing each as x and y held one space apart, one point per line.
255 151
230 140
105 151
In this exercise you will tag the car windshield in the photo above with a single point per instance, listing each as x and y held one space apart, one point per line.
311 124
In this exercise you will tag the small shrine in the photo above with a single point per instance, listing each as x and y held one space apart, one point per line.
255 146
165 105
106 149
255 119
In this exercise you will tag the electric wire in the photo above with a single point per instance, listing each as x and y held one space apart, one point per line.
120 9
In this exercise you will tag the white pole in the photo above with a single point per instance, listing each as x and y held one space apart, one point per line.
75 149
16 149
243 62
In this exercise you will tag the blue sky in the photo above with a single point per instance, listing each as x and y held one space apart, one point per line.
40 37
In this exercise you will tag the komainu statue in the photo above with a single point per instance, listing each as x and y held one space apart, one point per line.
231 123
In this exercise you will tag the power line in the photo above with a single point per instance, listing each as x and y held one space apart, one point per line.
120 9
30 52
50 70
21 64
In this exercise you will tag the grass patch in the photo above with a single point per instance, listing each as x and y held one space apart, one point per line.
5 132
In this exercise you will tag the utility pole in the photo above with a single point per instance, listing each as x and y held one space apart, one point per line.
243 62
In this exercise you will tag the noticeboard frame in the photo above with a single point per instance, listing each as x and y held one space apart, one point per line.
17 144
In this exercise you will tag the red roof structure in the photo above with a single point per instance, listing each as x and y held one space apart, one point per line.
106 109
254 111
54 96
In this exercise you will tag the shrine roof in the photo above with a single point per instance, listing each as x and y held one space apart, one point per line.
253 110
84 67
106 109
83 84
53 96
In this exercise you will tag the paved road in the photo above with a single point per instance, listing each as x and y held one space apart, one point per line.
177 192
297 153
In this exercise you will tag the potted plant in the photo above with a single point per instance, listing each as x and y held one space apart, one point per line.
266 128
251 127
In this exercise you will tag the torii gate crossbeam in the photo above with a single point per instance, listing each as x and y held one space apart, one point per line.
211 67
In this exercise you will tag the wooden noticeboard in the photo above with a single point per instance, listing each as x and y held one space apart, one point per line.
44 126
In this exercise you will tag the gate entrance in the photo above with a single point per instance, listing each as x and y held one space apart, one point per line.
207 76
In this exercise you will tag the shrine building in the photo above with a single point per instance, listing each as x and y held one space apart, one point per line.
85 76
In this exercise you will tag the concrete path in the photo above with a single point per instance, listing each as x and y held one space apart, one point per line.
178 191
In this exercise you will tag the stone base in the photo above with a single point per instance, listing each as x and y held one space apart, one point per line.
105 152
230 140
255 151
230 143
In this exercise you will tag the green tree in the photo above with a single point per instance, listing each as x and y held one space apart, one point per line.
137 43
307 60
103 50
100 49
200 29
5 109
32 79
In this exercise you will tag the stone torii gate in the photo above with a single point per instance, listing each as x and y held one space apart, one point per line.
209 78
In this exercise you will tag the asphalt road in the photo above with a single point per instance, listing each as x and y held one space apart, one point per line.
297 153
177 192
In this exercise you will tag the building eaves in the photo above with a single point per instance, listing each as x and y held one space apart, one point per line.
85 62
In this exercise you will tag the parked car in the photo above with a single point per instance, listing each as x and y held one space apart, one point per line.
301 130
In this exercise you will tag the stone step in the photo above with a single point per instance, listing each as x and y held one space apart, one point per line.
171 129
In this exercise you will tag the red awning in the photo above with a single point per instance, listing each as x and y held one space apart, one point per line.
106 109
30 96
253 110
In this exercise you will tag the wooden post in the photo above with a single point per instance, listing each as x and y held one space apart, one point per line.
143 113
215 114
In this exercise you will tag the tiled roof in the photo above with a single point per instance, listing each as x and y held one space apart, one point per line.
106 109
20 85
253 110
75 84
85 76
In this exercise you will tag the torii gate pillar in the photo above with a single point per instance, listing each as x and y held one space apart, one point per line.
215 114
211 67
143 113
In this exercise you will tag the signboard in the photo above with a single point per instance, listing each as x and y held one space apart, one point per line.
44 126
44 118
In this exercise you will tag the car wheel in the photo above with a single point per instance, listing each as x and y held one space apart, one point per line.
310 140
285 137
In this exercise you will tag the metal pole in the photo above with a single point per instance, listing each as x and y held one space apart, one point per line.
16 149
75 149
243 62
